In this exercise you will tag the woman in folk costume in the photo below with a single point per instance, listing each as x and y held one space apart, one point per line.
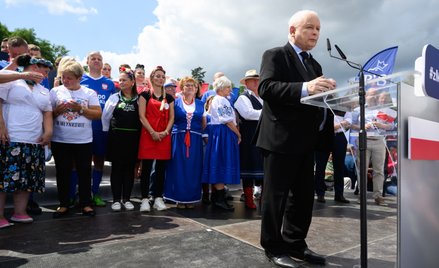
156 112
221 164
183 174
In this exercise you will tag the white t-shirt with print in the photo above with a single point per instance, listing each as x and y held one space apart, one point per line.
221 111
71 127
23 109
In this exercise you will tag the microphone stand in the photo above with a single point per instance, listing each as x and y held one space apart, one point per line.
362 147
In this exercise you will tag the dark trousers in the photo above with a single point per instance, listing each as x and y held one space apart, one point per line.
287 201
65 154
122 180
160 166
338 156
251 182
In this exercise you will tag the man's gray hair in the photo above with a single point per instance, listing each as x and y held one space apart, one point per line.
297 17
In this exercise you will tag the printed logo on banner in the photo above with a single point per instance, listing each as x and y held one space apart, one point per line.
380 67
434 74
431 72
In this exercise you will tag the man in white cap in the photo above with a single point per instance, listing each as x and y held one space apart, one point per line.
170 87
249 108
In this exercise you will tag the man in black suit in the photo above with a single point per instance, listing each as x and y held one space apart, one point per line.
288 133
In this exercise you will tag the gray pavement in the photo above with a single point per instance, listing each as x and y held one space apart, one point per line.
200 237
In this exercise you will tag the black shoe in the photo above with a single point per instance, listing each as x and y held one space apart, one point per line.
242 198
33 208
224 205
308 256
60 212
282 261
90 213
221 202
212 197
205 199
321 199
341 199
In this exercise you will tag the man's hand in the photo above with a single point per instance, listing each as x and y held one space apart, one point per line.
321 84
345 124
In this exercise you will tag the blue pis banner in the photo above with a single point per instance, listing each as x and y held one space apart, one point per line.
381 64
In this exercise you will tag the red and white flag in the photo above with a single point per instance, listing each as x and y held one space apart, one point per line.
387 115
423 139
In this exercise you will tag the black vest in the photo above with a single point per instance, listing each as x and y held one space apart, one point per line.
247 128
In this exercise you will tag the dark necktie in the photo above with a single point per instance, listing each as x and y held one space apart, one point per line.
312 74
307 61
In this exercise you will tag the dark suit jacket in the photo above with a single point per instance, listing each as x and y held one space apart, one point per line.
286 126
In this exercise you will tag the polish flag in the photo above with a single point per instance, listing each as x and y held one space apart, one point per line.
387 115
423 139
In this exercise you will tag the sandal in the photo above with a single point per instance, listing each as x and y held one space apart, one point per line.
88 211
60 212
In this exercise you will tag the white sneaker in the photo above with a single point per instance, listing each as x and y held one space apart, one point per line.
116 206
159 204
128 205
145 207
257 191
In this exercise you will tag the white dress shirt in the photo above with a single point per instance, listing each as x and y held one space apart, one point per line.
245 108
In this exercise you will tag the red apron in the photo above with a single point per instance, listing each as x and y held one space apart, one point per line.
148 148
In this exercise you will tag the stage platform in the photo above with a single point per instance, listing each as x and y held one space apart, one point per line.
200 237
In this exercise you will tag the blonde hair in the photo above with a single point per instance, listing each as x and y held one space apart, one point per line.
73 67
62 63
156 69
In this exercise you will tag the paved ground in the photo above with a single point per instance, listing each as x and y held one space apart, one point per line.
201 237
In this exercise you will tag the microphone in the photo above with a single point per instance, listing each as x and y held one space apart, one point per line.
345 59
342 55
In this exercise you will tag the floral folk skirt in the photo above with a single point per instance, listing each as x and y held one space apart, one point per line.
22 167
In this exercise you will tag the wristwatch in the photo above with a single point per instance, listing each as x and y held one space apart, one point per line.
81 112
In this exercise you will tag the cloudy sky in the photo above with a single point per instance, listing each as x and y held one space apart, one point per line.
226 35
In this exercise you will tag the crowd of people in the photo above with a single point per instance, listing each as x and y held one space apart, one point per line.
175 142
185 147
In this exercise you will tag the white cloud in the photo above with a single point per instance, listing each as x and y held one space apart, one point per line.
57 7
231 35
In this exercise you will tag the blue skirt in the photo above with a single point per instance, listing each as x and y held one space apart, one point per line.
221 162
183 172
